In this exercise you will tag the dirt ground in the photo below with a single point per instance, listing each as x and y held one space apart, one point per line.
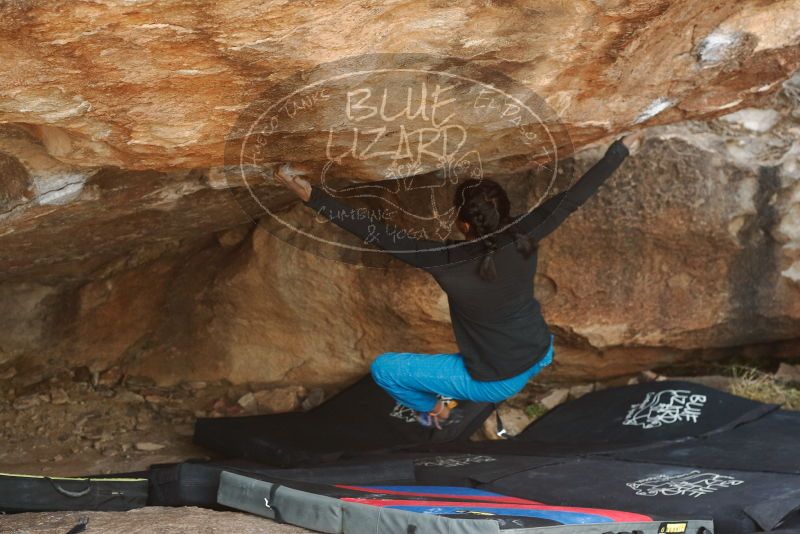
150 520
68 422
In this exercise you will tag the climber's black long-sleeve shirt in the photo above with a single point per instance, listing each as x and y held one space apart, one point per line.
498 324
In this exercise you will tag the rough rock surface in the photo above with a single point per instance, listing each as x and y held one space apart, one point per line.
693 246
157 85
121 245
690 251
96 89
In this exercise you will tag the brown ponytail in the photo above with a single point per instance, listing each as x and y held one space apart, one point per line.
484 205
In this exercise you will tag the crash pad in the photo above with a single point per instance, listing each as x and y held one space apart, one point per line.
349 509
33 493
642 414
196 483
362 418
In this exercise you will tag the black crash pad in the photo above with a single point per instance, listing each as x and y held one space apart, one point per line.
731 458
28 493
196 483
641 414
665 450
739 501
770 444
362 418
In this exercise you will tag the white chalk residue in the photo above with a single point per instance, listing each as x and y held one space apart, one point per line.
473 42
767 87
715 47
793 272
162 26
655 107
74 37
59 189
290 172
255 44
52 107
203 71
755 120
729 105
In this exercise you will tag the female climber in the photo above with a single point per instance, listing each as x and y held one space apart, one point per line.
502 338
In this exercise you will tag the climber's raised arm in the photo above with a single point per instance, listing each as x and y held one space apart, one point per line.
555 210
396 241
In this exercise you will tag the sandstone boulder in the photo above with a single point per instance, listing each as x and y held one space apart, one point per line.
125 245
159 85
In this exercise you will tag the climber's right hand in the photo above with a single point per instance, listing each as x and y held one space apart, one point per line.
633 140
292 179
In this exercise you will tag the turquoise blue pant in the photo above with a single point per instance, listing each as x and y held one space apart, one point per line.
414 380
